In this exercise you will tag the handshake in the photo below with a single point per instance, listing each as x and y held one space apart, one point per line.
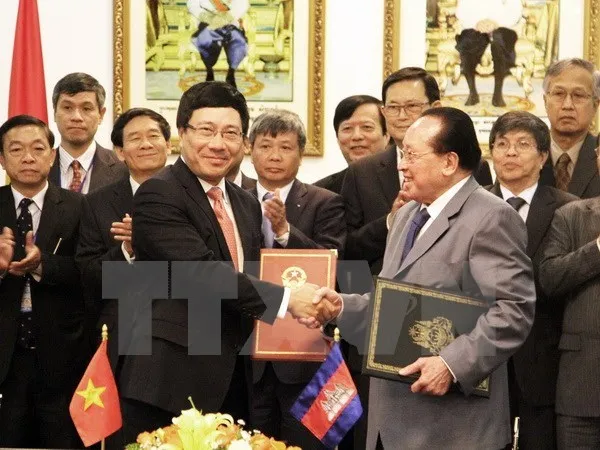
313 306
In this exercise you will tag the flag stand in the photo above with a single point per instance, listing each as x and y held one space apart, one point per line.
104 339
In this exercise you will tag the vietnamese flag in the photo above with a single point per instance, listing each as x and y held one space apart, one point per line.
27 84
95 408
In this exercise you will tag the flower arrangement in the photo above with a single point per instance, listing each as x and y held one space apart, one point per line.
193 430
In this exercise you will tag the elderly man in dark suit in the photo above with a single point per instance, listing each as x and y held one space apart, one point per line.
570 273
295 215
454 236
190 213
360 131
81 164
141 139
42 350
571 96
520 143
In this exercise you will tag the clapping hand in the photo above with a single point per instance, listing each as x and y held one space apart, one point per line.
7 246
122 231
31 261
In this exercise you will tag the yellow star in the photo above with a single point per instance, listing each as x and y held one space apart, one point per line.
92 395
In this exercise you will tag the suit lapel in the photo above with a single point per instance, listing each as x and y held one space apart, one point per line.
586 168
295 202
54 175
243 220
539 217
8 212
122 198
440 224
387 172
49 218
194 190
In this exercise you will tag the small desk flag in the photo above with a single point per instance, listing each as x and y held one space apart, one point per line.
95 407
329 405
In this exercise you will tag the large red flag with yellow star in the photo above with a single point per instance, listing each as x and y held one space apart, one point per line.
95 408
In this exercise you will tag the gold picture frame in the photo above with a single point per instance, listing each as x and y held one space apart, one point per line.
309 106
394 35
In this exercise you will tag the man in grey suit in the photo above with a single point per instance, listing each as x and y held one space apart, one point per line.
81 164
467 241
570 271
571 96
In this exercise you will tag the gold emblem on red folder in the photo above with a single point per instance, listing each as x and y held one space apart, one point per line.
293 277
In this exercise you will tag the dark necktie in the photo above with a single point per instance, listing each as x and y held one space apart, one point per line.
561 172
76 181
266 226
24 224
415 226
516 202
25 335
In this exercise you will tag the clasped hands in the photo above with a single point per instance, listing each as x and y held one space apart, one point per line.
31 261
313 306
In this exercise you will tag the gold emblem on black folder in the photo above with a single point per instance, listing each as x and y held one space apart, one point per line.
293 277
434 334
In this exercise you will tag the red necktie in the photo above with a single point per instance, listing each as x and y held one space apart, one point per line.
76 181
216 195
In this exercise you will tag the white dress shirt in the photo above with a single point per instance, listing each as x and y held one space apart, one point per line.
526 194
66 171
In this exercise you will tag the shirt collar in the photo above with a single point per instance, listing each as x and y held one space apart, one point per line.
85 159
283 191
525 194
38 199
134 184
207 186
435 208
238 178
573 152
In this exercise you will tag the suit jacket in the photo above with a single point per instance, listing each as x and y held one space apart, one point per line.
247 182
96 244
106 169
316 218
173 221
570 271
585 182
57 299
333 182
536 362
476 247
369 190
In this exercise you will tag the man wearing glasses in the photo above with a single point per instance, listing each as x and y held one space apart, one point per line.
520 143
571 93
209 229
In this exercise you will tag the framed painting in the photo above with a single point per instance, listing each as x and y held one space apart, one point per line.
271 50
431 34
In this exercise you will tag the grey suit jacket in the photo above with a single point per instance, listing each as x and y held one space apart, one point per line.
106 169
570 271
476 247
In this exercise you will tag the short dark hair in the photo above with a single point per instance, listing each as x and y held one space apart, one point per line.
432 90
116 136
22 121
522 121
77 82
457 135
212 94
345 109
275 121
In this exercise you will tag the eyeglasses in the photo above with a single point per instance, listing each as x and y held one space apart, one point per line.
409 108
207 133
521 146
577 97
410 157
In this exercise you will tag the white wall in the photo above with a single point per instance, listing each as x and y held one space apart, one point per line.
77 37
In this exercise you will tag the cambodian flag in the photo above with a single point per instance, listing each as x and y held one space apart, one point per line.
329 405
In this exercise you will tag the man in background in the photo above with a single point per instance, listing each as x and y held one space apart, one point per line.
360 131
520 144
81 164
295 216
571 96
